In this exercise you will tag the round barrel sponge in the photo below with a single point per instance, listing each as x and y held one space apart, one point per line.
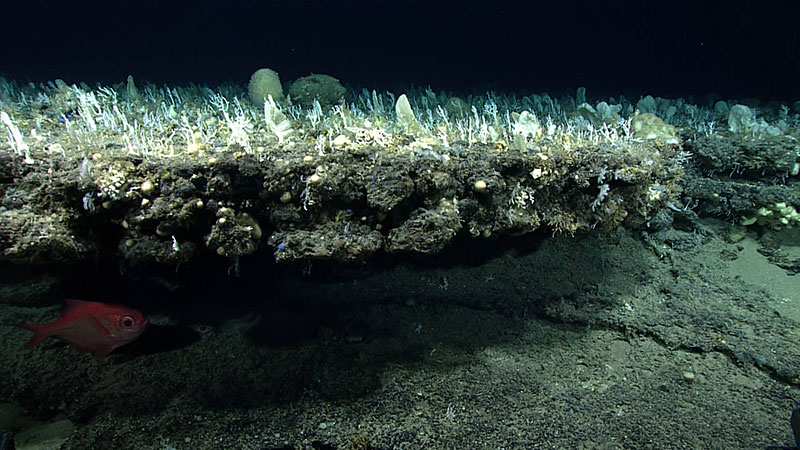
263 83
323 88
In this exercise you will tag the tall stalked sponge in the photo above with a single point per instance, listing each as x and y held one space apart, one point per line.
263 83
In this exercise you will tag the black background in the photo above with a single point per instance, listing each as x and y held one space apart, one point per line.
676 48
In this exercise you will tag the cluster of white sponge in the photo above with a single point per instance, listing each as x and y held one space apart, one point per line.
776 216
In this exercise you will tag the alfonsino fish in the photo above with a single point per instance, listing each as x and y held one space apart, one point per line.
91 327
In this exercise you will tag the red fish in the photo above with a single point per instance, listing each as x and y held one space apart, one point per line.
91 327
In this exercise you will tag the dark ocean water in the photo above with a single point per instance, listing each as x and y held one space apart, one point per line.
662 48
681 337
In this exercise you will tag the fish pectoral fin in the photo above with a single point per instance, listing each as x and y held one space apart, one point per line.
96 324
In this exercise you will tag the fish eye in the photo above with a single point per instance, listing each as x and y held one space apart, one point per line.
128 321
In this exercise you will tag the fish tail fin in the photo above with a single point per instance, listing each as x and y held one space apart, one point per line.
39 333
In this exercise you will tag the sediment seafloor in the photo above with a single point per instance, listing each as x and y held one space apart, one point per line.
421 271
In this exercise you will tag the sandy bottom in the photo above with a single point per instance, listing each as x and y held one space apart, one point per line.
585 342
